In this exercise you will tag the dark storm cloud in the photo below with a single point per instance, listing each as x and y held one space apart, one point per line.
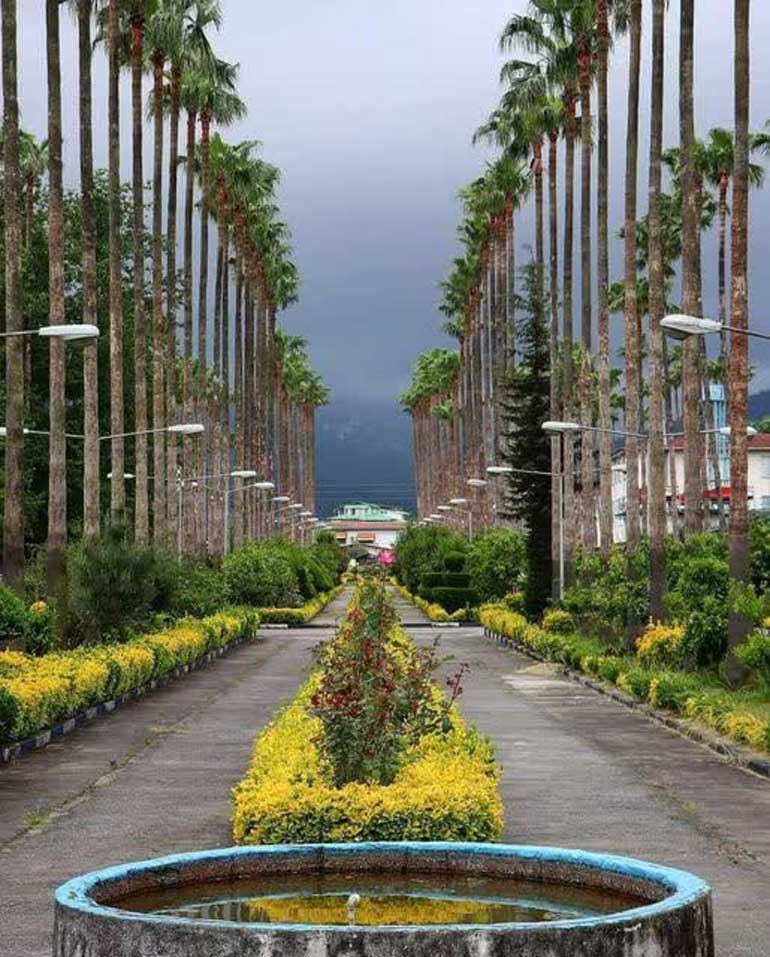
368 109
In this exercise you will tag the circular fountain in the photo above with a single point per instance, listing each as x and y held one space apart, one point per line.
373 900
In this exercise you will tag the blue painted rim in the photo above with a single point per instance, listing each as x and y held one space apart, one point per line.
685 889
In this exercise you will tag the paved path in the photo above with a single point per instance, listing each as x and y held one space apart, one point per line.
577 770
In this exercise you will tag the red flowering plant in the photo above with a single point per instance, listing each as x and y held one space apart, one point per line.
375 696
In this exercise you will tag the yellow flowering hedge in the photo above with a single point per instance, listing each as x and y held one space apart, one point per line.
296 617
661 645
446 788
36 693
431 609
742 716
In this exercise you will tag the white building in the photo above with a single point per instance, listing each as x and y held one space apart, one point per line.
371 526
759 481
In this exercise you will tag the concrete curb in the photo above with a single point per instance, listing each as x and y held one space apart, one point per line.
19 749
752 761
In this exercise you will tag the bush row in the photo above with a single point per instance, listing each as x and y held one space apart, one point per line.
743 716
296 617
38 692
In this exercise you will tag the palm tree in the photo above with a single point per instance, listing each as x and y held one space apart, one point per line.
13 519
118 485
91 458
718 163
691 291
57 474
211 93
657 482
603 276
632 339
739 366
192 20
138 14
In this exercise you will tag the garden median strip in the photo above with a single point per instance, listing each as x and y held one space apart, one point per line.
349 760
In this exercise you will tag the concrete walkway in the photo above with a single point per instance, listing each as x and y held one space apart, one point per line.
577 770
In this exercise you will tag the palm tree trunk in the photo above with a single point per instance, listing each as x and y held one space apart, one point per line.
117 418
225 420
13 516
724 183
587 444
739 359
57 476
203 293
556 464
188 389
603 275
141 503
568 462
691 298
632 343
159 340
172 304
238 399
657 481
91 457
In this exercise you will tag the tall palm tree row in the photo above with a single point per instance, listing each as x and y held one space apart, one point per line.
561 51
258 413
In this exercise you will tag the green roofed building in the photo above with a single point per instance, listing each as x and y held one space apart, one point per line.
371 526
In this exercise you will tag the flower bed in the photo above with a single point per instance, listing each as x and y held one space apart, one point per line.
296 617
425 777
38 692
743 716
431 609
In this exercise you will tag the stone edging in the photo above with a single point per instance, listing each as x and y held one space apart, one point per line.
19 748
749 760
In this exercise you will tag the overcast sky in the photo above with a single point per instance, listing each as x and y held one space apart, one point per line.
368 109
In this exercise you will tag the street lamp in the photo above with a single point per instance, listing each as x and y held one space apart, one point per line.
680 326
67 333
186 428
561 428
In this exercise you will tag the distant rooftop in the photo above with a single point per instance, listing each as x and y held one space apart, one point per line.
367 512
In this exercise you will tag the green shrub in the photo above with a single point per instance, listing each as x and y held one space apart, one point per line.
559 622
421 550
673 689
636 681
759 538
497 563
201 590
14 617
455 560
446 580
514 601
40 637
705 633
117 586
261 575
453 599
755 655
610 668
9 710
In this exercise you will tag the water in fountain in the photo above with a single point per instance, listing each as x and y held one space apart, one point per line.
378 899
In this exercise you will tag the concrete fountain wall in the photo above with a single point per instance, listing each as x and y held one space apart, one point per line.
677 921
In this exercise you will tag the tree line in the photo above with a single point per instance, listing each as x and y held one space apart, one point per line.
551 132
183 343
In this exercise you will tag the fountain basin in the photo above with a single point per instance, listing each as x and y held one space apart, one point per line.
666 913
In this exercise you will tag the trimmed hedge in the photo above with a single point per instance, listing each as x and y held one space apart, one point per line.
431 609
446 580
452 599
743 716
36 693
446 788
296 617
